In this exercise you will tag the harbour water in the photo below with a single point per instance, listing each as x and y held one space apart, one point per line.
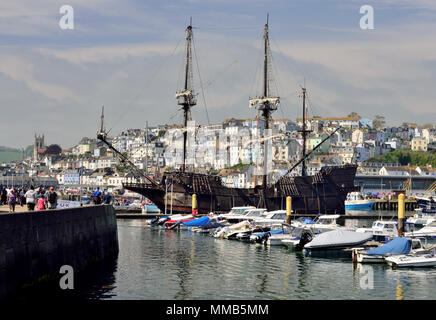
156 264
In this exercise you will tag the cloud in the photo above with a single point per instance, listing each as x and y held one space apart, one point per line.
18 69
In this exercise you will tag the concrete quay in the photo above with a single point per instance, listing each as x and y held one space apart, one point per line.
34 245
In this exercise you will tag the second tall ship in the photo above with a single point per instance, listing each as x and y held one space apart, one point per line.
325 192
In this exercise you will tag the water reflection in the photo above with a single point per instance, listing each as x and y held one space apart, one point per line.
158 264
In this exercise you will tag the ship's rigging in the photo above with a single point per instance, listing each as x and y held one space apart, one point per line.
324 191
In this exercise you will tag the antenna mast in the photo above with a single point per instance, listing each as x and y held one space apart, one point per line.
186 97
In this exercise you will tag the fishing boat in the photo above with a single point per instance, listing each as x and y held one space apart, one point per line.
356 201
324 192
421 259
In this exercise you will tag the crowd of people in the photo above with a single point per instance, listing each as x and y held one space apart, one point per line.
40 199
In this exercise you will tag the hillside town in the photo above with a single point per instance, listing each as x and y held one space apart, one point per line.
222 149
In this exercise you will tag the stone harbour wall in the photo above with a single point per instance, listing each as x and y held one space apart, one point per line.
34 245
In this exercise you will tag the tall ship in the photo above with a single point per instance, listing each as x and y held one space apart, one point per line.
325 192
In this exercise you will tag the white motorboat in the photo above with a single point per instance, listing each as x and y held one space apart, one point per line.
420 219
293 239
421 259
271 218
428 232
233 230
397 246
242 213
325 223
381 230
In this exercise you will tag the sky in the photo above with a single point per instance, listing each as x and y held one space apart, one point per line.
129 56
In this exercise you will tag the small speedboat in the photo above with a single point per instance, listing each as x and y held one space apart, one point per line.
177 220
260 237
232 230
337 240
421 259
397 246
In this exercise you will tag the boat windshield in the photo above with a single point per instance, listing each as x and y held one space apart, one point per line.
326 221
279 216
254 213
238 211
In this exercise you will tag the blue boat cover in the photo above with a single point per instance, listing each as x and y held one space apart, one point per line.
397 245
197 222
275 231
212 225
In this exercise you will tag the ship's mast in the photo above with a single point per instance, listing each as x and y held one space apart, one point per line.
266 104
304 133
186 98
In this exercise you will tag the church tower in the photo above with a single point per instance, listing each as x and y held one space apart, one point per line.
38 143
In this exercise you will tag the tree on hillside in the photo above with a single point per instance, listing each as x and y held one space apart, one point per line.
379 122
353 115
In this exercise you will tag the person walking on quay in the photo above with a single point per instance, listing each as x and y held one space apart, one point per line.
22 197
107 198
97 196
41 203
31 198
52 199
3 195
12 200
